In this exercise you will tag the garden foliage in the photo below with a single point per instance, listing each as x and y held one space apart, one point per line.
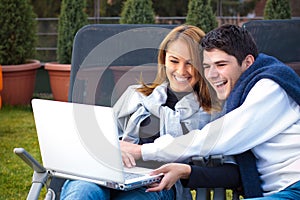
200 14
72 17
137 12
18 29
277 9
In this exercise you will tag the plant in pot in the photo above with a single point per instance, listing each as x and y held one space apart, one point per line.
137 12
18 40
200 14
1 86
279 9
72 18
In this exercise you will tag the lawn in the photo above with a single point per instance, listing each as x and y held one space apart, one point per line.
17 129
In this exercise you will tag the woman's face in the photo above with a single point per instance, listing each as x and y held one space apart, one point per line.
179 69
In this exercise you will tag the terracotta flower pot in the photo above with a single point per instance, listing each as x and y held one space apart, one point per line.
1 86
19 82
59 75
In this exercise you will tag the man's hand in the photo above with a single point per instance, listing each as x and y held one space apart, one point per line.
172 172
132 149
128 159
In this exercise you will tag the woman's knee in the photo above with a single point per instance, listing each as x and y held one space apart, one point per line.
83 190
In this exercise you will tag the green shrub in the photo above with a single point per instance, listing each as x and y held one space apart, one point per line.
137 12
17 32
72 17
200 14
277 9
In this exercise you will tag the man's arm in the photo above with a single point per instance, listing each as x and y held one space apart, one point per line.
266 110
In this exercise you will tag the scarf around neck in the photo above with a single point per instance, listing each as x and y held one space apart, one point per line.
264 67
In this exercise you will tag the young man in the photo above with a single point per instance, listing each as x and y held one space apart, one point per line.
261 113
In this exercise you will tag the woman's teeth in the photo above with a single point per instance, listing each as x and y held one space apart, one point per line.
181 79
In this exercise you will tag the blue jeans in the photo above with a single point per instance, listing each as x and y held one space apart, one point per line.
81 190
292 192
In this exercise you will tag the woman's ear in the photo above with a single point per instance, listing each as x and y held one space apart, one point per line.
248 61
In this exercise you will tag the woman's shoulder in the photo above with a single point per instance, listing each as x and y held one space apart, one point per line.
133 95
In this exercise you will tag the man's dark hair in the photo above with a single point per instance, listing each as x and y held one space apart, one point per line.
233 40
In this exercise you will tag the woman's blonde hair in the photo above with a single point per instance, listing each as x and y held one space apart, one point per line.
192 36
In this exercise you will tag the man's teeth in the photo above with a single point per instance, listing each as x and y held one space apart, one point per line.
219 83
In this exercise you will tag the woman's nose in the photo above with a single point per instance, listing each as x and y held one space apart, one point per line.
181 69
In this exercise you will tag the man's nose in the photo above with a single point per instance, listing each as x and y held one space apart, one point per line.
212 72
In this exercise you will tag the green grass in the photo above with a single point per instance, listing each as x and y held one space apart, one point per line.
17 129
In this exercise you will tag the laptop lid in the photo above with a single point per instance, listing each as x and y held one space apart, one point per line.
81 141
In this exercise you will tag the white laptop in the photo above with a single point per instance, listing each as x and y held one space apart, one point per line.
80 141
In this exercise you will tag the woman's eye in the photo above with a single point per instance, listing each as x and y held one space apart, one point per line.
189 64
174 61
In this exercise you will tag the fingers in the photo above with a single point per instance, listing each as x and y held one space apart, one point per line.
172 172
128 159
133 149
153 185
156 187
160 170
163 169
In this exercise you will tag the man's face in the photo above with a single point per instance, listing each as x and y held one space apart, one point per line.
222 71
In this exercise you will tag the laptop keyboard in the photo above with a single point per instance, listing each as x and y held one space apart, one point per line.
129 175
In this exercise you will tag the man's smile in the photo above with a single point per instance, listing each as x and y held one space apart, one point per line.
219 84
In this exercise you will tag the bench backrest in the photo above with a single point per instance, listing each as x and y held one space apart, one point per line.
278 38
109 57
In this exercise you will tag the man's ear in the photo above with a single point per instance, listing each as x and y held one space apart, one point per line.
248 61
